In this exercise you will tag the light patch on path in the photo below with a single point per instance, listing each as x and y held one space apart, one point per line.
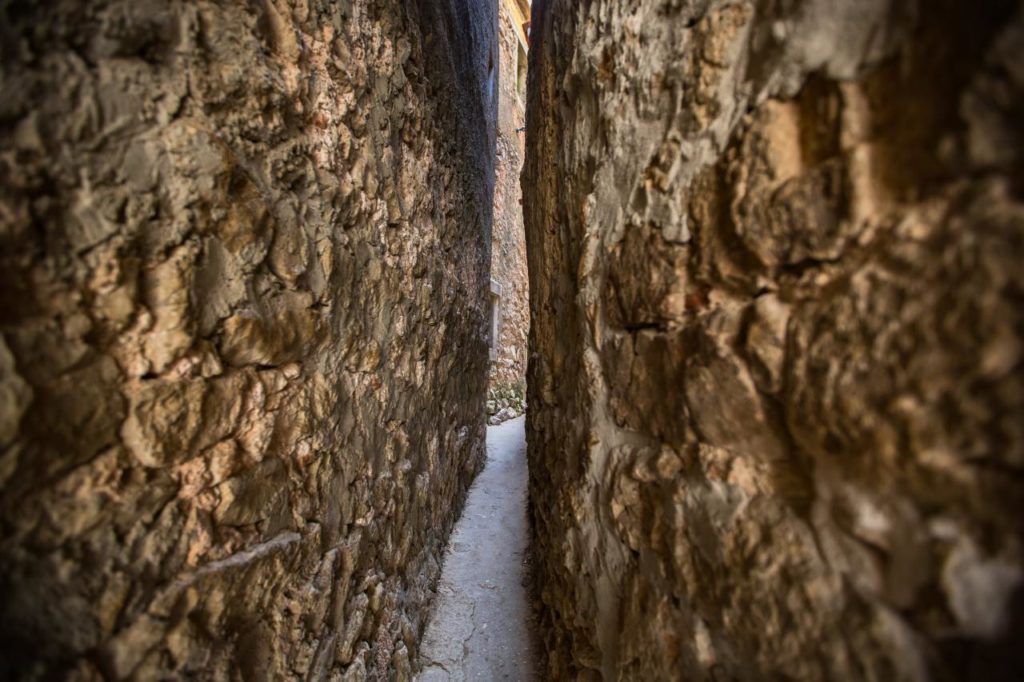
480 628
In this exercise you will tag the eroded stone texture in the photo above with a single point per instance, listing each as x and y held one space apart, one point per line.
776 402
243 300
508 242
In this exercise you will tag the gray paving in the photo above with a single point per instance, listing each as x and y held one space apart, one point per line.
481 628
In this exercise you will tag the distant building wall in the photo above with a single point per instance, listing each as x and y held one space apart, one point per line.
508 255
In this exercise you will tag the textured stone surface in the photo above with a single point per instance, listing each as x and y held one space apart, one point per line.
243 302
508 241
776 397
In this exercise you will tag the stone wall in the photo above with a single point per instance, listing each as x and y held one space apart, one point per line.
776 424
243 302
508 242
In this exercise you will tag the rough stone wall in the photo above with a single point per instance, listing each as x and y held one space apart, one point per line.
508 242
776 424
243 302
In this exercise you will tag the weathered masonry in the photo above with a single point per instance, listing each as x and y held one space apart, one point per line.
775 386
262 264
244 259
508 243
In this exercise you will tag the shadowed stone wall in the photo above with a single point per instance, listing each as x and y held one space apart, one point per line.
244 254
776 397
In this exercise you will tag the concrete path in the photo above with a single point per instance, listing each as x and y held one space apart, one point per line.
481 627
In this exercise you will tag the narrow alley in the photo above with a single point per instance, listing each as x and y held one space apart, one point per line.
480 628
511 340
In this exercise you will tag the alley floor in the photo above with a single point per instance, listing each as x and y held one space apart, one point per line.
481 628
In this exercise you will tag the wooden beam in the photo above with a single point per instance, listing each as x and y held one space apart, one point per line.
519 10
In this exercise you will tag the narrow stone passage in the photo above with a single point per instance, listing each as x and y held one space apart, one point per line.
480 628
